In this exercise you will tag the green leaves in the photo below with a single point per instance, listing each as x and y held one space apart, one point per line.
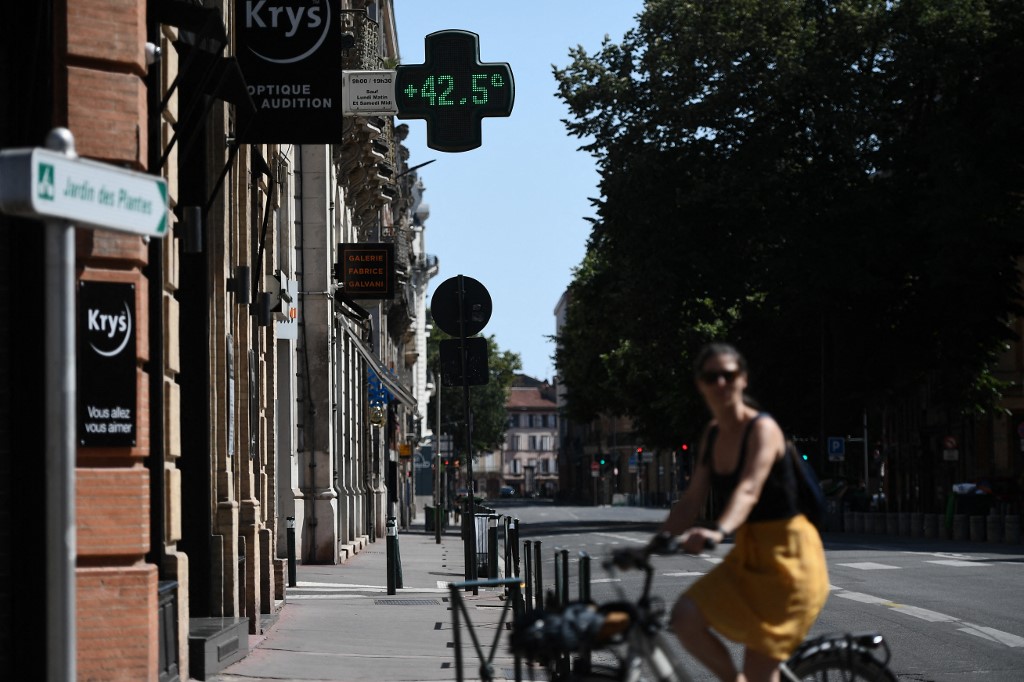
834 186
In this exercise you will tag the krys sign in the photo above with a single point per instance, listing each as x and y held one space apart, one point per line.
106 364
290 54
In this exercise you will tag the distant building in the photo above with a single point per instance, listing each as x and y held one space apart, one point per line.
530 456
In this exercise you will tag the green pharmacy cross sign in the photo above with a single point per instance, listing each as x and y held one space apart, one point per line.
452 90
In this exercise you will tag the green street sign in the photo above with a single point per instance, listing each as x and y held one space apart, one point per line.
46 184
453 90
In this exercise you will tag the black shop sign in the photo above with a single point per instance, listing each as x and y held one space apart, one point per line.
289 52
366 270
106 364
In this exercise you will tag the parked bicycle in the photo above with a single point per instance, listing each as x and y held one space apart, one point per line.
635 633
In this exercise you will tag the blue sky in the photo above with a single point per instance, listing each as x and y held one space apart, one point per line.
511 213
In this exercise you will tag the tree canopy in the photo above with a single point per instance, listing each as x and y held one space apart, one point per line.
487 402
833 185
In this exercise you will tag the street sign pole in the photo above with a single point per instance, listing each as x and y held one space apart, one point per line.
468 315
471 527
61 547
54 185
61 364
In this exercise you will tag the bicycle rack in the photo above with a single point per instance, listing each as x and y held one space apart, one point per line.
513 585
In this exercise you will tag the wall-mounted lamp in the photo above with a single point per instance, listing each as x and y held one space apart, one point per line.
239 285
189 229
153 53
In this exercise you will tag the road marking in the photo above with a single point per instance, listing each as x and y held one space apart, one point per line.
868 566
639 541
861 597
304 587
683 574
993 635
923 614
606 580
956 562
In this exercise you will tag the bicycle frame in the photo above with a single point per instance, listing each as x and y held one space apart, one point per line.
645 641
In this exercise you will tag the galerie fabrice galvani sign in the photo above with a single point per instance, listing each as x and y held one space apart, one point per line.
106 364
290 54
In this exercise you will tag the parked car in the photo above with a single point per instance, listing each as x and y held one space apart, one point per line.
462 493
507 491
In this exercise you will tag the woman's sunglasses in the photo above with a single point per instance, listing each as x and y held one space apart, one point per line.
712 376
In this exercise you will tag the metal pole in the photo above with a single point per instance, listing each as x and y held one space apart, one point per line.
468 450
437 464
538 575
584 577
528 574
291 551
61 543
492 546
391 538
866 446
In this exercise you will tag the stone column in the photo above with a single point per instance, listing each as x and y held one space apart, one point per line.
319 532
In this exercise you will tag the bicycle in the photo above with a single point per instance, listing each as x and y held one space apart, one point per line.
635 632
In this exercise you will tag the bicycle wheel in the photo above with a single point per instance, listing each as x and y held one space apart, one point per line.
841 666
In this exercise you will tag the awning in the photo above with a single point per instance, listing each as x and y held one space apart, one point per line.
403 393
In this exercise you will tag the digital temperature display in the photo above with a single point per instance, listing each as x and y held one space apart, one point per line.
452 90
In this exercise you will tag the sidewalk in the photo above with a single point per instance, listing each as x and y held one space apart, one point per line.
339 623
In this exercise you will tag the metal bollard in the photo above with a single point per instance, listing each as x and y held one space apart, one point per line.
584 577
513 541
538 575
399 583
528 574
291 551
492 546
561 577
582 663
391 541
508 550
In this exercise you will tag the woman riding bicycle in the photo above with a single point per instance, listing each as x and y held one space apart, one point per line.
769 589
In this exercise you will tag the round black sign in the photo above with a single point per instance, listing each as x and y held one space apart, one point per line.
444 306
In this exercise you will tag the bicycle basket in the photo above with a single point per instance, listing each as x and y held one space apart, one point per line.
544 636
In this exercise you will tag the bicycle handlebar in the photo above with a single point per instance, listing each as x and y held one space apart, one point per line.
662 543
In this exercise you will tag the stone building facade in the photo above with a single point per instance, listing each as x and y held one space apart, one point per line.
267 398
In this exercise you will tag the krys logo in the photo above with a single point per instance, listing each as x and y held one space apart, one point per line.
108 334
286 32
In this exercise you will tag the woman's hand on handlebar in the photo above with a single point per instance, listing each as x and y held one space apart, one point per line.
698 539
637 557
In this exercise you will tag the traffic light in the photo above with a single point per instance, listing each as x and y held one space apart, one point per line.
599 459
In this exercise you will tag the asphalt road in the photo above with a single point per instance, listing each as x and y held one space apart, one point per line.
949 611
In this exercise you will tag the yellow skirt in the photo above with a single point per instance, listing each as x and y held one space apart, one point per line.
769 589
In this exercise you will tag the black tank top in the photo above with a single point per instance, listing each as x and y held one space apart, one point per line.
778 496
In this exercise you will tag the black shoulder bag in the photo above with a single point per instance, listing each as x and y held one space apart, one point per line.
810 498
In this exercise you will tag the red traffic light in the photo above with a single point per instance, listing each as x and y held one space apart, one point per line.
684 447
